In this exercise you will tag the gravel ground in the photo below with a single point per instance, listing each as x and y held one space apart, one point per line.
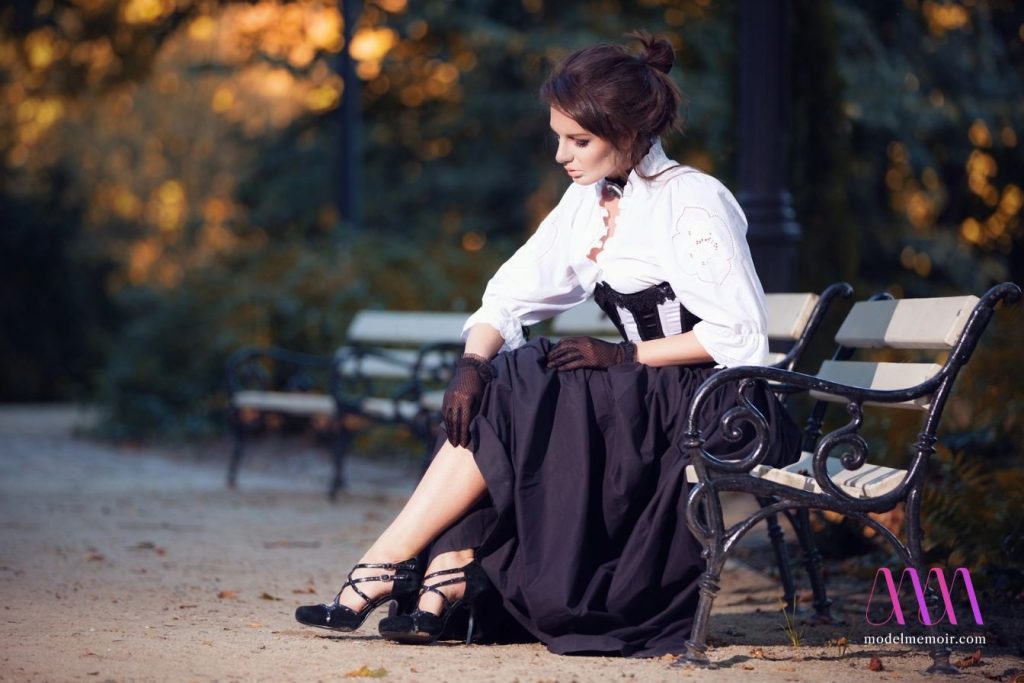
121 564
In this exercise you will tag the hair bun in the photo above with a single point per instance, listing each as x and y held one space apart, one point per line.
657 52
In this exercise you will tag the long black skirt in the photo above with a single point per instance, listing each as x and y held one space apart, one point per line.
583 529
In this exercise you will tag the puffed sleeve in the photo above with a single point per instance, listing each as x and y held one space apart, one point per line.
537 282
712 272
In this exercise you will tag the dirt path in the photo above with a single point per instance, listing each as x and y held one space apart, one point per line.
140 566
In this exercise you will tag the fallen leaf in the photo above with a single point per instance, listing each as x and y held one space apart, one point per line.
748 667
224 595
970 660
366 672
267 596
757 653
303 591
876 664
95 557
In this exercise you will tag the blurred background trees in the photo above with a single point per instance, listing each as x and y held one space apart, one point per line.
169 171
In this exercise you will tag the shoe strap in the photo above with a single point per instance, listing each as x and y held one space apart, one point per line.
444 572
433 588
397 576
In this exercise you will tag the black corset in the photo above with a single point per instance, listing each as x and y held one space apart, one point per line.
643 306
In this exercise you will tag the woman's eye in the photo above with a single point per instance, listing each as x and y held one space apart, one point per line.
582 143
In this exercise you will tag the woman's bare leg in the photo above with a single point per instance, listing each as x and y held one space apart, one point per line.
449 487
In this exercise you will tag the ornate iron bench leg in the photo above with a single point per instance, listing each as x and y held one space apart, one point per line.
711 533
778 541
238 451
341 441
812 562
940 652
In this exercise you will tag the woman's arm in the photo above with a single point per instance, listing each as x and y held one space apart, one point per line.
681 349
483 340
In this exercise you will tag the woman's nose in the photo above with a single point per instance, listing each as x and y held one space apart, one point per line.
562 153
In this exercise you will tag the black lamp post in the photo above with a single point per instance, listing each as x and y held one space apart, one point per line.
773 232
349 159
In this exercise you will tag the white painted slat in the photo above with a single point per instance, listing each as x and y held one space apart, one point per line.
432 400
907 323
882 376
379 368
388 409
866 482
285 402
788 314
585 319
787 317
407 327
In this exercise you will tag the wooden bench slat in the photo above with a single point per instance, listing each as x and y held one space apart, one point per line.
388 409
584 319
293 403
379 368
787 317
407 327
882 376
788 314
866 482
906 324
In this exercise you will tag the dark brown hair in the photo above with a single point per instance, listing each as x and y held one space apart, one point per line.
626 99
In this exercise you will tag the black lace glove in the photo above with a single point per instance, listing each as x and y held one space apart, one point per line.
462 398
573 353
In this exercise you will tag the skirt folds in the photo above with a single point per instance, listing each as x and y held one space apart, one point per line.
583 530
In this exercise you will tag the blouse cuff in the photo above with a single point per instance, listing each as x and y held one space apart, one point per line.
740 344
507 325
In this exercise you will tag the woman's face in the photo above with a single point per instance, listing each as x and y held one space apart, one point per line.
585 157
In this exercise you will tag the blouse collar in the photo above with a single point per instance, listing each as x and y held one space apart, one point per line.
654 161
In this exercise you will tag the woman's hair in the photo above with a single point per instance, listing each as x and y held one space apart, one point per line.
626 99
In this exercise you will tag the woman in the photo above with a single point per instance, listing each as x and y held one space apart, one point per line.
560 481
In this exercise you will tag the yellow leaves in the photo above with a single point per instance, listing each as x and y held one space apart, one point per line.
223 99
393 6
145 11
943 17
323 29
372 44
43 48
918 261
167 207
277 83
366 672
323 98
979 134
473 241
202 28
125 203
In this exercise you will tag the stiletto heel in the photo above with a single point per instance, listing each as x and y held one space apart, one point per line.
335 616
472 621
422 627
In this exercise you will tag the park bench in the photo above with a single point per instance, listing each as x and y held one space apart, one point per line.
833 471
392 369
793 319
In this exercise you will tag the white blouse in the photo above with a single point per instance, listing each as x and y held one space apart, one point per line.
684 228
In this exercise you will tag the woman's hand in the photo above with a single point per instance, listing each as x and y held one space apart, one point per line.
573 353
462 398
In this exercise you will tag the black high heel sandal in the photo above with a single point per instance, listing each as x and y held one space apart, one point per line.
421 627
338 617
